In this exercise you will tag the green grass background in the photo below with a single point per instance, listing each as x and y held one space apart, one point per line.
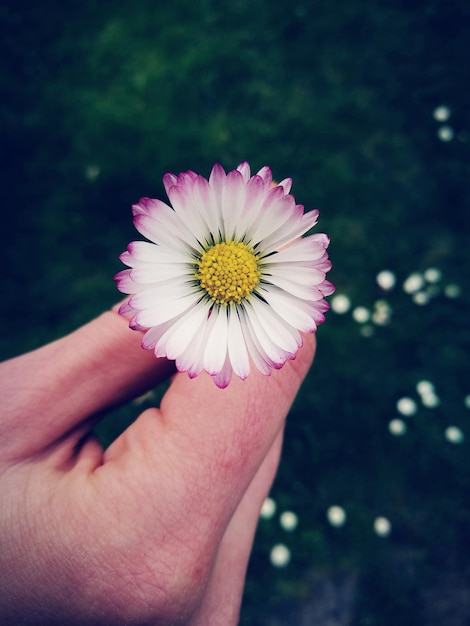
100 99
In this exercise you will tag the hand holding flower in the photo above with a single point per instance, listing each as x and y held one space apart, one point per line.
158 528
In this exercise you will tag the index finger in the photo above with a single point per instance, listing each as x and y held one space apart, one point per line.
49 392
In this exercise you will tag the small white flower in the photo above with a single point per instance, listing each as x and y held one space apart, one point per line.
280 555
386 280
289 520
407 406
413 283
340 304
421 298
441 113
430 400
336 515
445 133
226 274
452 291
397 427
454 434
382 526
433 275
424 387
361 315
268 508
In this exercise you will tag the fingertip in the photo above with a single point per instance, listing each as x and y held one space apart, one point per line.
201 394
306 353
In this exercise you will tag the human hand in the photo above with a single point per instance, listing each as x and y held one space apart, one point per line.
156 529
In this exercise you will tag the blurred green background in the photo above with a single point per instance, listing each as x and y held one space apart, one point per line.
365 105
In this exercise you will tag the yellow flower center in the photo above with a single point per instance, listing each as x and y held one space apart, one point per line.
228 271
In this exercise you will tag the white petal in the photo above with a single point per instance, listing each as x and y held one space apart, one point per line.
236 346
255 194
327 288
216 348
291 231
323 264
181 332
186 179
153 253
159 223
168 181
320 239
207 204
126 258
182 201
244 169
217 181
302 251
124 282
153 334
257 354
191 360
266 175
290 271
233 199
126 310
286 184
276 210
155 294
167 309
223 377
274 352
144 206
296 312
281 333
158 272
306 292
159 234
178 228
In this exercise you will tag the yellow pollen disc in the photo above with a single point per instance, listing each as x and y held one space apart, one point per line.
228 271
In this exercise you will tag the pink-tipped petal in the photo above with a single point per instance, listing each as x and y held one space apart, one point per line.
164 311
275 353
291 231
126 310
215 351
245 171
327 288
297 313
169 180
259 357
179 335
287 337
286 184
223 377
191 360
124 282
232 203
237 351
266 175
144 251
217 182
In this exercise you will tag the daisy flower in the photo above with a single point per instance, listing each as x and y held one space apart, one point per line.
225 280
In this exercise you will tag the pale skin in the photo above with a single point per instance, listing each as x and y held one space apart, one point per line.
158 528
